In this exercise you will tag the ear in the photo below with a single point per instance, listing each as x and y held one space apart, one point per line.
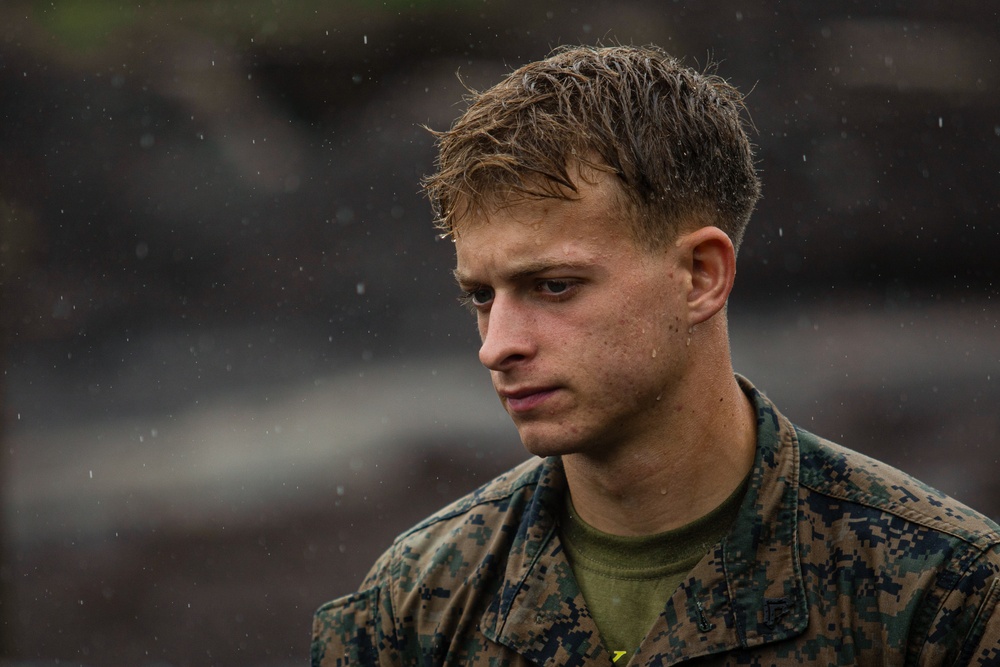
710 259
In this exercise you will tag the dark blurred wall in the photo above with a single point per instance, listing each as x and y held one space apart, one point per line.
212 161
207 208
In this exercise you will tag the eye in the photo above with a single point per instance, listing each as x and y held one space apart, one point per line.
481 296
477 297
555 286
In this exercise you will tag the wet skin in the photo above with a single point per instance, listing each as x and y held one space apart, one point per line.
611 354
583 331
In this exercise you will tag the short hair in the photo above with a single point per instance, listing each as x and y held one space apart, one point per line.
674 137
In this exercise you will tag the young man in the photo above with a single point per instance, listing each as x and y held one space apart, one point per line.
597 199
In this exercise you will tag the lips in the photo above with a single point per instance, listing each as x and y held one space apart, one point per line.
526 399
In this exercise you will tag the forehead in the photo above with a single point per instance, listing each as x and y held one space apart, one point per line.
527 235
535 199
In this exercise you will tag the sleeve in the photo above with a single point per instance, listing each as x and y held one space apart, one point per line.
982 645
357 630
966 626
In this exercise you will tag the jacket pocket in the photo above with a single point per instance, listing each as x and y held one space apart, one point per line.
345 631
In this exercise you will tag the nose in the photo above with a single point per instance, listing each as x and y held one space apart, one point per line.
507 335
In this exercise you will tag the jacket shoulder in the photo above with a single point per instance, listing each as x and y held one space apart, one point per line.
497 491
838 472
461 534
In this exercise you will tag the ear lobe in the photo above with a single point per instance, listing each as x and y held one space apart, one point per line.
713 271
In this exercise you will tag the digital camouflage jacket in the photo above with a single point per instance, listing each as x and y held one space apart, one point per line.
834 559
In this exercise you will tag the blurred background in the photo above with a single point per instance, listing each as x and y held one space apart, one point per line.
233 365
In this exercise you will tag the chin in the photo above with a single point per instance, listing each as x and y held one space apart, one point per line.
548 446
541 452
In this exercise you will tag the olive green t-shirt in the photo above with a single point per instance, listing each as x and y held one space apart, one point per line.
627 581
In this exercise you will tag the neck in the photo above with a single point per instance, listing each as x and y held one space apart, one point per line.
700 453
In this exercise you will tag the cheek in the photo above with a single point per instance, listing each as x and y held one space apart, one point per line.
649 325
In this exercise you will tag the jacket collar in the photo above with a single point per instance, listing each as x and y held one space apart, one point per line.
539 611
746 592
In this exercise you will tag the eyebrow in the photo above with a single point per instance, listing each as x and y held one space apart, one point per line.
527 270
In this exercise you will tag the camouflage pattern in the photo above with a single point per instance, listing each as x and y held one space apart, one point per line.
834 559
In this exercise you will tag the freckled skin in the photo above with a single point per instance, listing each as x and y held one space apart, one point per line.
569 310
591 346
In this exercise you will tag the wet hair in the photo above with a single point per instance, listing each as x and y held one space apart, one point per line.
674 138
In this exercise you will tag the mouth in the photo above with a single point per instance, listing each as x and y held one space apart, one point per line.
526 399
